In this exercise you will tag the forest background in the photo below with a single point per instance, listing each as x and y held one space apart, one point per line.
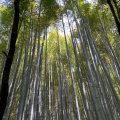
60 59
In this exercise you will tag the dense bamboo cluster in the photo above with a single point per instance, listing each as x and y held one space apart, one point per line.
62 76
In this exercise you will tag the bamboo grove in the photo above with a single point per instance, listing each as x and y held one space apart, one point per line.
62 69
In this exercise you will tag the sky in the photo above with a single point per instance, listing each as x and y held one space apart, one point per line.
91 1
1 1
88 0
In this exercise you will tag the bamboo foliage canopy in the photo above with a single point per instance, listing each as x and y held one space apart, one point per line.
58 71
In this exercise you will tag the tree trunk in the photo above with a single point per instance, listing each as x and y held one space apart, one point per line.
117 8
114 15
9 60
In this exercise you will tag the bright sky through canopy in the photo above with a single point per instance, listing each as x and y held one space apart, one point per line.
91 1
1 1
